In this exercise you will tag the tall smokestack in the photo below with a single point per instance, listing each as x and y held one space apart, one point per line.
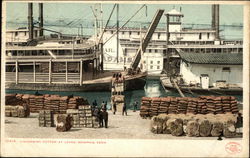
40 19
213 16
30 20
217 22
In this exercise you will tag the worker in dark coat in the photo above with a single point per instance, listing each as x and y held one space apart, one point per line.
124 109
135 106
98 113
105 118
104 105
114 108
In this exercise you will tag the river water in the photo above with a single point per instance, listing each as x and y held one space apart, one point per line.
152 88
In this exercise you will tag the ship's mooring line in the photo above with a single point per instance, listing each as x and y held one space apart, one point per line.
123 25
107 23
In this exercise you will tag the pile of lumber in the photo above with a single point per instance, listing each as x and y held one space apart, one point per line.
145 107
195 125
63 123
187 105
45 118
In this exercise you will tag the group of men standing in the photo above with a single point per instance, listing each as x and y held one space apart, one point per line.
101 114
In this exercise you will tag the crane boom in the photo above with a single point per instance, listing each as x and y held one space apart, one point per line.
147 38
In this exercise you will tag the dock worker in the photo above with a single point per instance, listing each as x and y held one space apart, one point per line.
239 123
135 106
98 114
124 109
104 105
105 117
114 108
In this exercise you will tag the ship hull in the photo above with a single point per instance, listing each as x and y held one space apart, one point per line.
131 83
200 91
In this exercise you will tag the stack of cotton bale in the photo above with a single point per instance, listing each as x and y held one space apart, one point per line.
63 104
39 103
10 99
63 123
45 118
25 99
19 99
202 106
210 105
16 111
52 103
234 105
85 115
173 107
163 108
155 103
218 105
22 111
145 107
226 101
32 103
74 113
192 106
73 103
195 125
182 104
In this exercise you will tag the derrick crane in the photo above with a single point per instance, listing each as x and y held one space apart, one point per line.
147 38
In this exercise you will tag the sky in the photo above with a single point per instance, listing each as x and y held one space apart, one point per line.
77 13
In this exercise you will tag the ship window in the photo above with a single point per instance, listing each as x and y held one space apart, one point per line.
208 34
130 32
151 62
151 67
158 67
144 62
158 62
16 33
227 69
149 50
156 50
123 32
200 35
25 33
111 32
138 33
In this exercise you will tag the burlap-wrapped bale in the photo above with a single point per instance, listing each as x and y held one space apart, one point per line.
175 126
156 126
217 129
21 111
192 129
205 128
63 123
229 130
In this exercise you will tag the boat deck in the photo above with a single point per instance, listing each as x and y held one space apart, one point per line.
166 83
